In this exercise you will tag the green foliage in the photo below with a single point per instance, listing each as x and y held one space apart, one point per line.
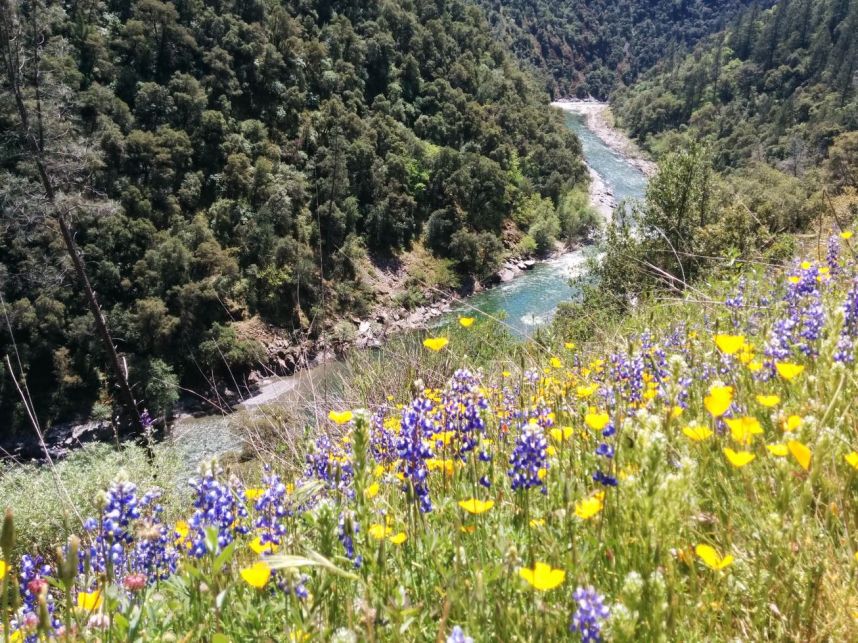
589 47
578 219
224 351
776 85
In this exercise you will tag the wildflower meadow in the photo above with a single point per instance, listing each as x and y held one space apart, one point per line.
691 477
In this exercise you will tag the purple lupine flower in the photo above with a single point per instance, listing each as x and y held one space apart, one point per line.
588 617
529 455
459 636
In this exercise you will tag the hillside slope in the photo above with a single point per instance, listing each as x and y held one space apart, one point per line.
586 47
777 85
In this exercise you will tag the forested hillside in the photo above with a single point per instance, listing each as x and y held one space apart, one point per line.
586 47
222 160
778 85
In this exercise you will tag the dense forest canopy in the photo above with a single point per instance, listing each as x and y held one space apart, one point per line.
588 47
222 160
779 85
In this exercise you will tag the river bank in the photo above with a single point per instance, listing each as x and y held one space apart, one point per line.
600 121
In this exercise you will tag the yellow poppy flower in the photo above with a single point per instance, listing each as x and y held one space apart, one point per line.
743 429
3 569
542 576
371 491
788 370
755 366
779 450
254 493
846 235
260 547
466 322
506 374
852 459
801 453
768 400
398 539
697 433
340 417
89 601
569 346
561 434
435 343
379 532
256 575
586 391
537 522
555 362
597 421
675 412
588 507
792 423
719 400
738 458
711 558
474 506
730 344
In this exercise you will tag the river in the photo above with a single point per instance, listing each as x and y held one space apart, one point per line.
526 302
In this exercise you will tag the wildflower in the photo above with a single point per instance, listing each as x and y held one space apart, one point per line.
89 601
597 421
134 582
792 423
466 322
543 577
3 569
778 450
788 370
561 434
458 636
347 528
413 453
254 493
528 458
476 507
555 362
800 452
588 507
852 459
586 391
768 400
256 575
379 532
605 450
738 458
588 617
371 491
846 235
259 546
711 558
537 522
729 344
435 343
743 429
697 433
398 538
340 417
719 400
569 346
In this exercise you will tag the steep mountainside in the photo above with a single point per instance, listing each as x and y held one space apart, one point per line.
778 85
589 46
221 160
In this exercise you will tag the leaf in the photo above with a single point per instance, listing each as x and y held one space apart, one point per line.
311 559
219 637
224 557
